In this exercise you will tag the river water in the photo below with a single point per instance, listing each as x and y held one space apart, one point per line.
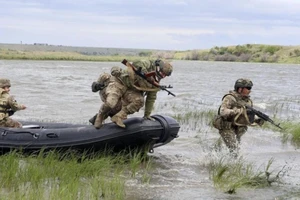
60 91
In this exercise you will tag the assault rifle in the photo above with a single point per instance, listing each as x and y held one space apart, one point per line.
262 116
145 76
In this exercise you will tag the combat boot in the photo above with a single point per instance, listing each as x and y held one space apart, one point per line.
99 121
93 119
101 116
118 119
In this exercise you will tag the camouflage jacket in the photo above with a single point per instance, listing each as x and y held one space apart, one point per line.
133 81
7 102
232 108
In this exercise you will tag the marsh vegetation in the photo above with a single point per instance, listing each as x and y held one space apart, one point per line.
68 175
239 53
230 174
194 165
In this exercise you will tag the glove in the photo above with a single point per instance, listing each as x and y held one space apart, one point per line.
97 86
148 118
237 110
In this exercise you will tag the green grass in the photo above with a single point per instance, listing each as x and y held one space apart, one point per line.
229 175
54 175
194 116
65 56
195 119
291 133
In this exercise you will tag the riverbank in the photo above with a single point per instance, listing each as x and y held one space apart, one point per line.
239 53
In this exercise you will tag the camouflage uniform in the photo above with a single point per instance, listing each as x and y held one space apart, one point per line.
7 103
128 87
233 118
101 85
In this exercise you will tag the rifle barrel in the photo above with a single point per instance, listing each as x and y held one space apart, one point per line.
263 116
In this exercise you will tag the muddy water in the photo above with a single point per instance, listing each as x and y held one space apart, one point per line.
60 91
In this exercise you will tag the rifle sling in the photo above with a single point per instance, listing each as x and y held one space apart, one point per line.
131 73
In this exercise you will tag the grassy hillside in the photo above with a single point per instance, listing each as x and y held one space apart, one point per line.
239 53
245 53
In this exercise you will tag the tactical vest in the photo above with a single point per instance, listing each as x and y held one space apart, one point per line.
133 80
239 101
241 119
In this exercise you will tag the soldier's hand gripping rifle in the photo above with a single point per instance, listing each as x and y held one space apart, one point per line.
262 116
145 76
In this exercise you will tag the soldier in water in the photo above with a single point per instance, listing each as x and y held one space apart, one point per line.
233 117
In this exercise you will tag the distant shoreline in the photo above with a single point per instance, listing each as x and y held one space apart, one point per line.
240 53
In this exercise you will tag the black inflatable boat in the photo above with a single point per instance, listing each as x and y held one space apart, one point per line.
139 133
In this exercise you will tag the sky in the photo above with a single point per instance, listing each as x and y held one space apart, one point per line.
150 24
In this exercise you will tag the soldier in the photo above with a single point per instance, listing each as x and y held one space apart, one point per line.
129 88
101 85
8 105
233 118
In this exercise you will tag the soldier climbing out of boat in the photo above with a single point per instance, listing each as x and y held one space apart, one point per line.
234 117
101 85
8 105
130 86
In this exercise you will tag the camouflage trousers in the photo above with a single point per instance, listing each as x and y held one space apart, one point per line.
8 122
232 136
131 99
116 108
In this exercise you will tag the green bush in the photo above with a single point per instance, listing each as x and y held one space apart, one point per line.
145 53
271 49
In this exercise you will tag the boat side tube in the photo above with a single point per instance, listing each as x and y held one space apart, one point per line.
170 129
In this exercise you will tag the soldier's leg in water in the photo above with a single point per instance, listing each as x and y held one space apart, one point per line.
240 130
133 100
229 138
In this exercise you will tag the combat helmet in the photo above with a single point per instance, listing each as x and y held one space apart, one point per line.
242 83
163 68
4 83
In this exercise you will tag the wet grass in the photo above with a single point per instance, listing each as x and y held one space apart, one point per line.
229 175
291 133
195 119
54 175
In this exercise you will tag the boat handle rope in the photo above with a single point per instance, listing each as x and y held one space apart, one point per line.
34 135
